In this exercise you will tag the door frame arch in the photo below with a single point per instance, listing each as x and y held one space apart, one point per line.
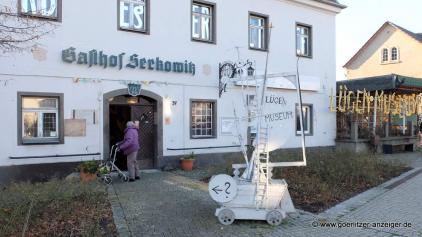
158 116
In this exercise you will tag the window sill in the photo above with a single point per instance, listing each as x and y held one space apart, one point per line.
144 32
390 62
41 17
258 49
201 138
304 56
54 141
204 41
298 134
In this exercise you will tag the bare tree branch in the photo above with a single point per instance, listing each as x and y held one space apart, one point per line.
19 32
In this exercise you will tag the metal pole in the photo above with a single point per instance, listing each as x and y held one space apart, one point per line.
374 126
299 93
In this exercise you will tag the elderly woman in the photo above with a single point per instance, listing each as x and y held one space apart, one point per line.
130 147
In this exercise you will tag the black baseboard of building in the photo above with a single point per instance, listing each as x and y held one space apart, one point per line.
36 172
45 172
204 160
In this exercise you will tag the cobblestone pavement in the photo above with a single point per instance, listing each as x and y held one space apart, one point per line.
164 204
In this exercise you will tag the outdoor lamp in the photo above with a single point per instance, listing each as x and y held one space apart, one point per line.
251 70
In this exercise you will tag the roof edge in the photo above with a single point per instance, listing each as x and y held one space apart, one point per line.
404 30
366 44
332 3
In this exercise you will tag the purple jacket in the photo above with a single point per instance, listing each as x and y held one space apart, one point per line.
130 143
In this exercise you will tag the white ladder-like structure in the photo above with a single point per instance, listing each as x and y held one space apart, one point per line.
260 170
262 177
255 195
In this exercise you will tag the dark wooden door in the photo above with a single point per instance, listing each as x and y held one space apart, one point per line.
119 115
145 115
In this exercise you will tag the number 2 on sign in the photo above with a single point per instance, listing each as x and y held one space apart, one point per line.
227 184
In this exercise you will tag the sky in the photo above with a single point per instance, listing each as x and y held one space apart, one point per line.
362 18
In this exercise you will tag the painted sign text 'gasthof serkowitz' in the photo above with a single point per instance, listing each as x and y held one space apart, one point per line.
134 61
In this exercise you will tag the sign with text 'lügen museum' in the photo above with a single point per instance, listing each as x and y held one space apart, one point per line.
134 61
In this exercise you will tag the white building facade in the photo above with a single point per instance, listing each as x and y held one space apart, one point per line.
67 99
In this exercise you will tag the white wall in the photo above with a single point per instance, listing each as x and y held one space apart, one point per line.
92 24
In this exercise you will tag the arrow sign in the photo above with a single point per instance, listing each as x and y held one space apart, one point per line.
222 188
217 190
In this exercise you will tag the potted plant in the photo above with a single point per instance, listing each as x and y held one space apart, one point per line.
187 162
88 170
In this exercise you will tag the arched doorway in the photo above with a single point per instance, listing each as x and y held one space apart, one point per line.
119 107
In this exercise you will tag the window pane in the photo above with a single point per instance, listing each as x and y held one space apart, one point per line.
132 15
124 15
202 121
38 103
205 10
254 38
306 119
139 17
195 26
49 125
30 124
46 8
196 8
261 35
49 8
394 54
385 55
257 32
261 22
29 6
202 22
256 21
206 26
303 44
305 31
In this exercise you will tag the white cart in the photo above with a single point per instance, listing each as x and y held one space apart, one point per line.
254 195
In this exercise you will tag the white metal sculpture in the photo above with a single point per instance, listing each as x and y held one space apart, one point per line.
254 195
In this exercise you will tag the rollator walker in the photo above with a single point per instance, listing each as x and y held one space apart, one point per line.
110 167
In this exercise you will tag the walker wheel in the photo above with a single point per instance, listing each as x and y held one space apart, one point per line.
107 179
226 217
274 218
125 178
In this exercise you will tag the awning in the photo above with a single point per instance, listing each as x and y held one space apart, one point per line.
385 83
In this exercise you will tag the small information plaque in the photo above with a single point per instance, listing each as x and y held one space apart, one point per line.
74 127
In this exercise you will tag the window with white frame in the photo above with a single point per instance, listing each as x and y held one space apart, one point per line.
41 8
133 15
303 40
40 119
307 119
394 54
203 21
257 32
203 120
384 55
